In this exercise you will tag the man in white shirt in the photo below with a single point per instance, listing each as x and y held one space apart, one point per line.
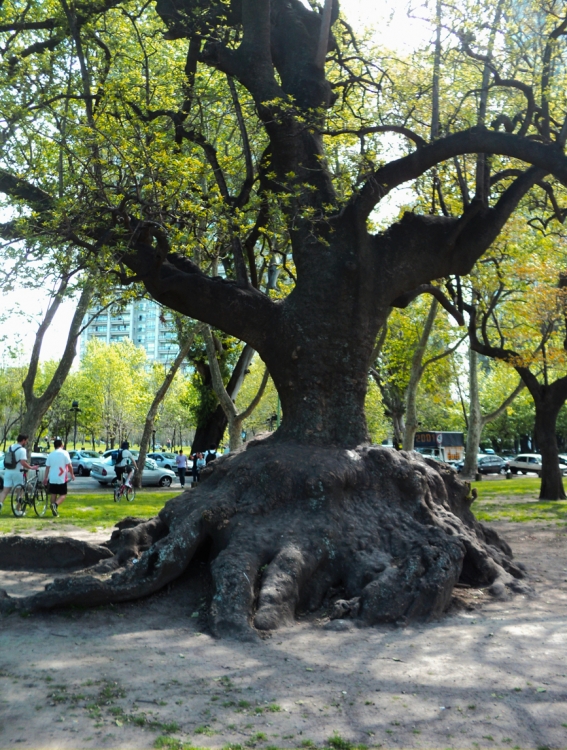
12 477
59 469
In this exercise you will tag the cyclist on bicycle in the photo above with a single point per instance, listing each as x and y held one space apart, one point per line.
13 476
125 465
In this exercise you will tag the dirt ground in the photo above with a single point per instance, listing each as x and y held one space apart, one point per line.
489 674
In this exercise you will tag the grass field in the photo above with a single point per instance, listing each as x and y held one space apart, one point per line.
87 511
498 500
516 500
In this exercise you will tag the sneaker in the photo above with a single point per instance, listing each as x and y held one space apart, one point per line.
54 509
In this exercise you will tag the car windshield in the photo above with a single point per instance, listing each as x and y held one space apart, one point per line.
89 454
150 464
169 455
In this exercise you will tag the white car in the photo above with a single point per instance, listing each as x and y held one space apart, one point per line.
104 472
82 461
531 462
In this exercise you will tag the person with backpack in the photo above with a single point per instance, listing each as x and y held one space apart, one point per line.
211 454
124 463
59 469
15 461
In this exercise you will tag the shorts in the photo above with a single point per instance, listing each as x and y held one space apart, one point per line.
57 489
12 477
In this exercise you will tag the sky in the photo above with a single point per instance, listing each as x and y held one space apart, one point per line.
392 26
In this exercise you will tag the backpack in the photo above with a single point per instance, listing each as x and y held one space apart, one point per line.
210 457
116 457
10 460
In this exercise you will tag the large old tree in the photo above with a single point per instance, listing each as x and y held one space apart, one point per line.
200 196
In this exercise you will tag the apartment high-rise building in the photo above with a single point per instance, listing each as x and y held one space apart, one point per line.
144 322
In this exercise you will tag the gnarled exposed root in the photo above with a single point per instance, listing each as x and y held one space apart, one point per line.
376 535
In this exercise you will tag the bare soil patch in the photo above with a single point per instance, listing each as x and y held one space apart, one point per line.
491 673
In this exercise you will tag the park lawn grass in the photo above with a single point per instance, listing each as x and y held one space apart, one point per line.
516 500
498 500
87 511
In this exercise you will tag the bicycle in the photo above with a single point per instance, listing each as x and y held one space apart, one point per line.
123 490
31 493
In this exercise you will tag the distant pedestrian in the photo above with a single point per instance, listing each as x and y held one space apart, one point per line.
59 470
198 464
181 463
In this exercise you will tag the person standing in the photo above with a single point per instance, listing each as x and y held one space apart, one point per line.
13 474
59 469
181 463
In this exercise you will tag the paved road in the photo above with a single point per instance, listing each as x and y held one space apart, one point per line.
86 484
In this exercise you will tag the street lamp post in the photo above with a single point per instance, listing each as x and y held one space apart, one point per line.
76 410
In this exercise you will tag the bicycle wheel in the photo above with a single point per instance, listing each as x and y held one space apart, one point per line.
129 494
18 497
117 494
40 501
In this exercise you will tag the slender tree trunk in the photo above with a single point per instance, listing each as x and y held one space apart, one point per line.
235 419
158 398
37 406
416 373
475 424
547 410
211 431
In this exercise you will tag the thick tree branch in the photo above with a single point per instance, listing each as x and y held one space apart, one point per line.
547 157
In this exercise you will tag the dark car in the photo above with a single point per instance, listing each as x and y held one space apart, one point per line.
486 464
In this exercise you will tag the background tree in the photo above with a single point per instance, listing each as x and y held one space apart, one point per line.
521 319
477 421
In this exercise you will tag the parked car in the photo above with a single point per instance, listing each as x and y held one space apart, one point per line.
104 473
164 460
486 464
531 462
37 459
491 464
82 461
